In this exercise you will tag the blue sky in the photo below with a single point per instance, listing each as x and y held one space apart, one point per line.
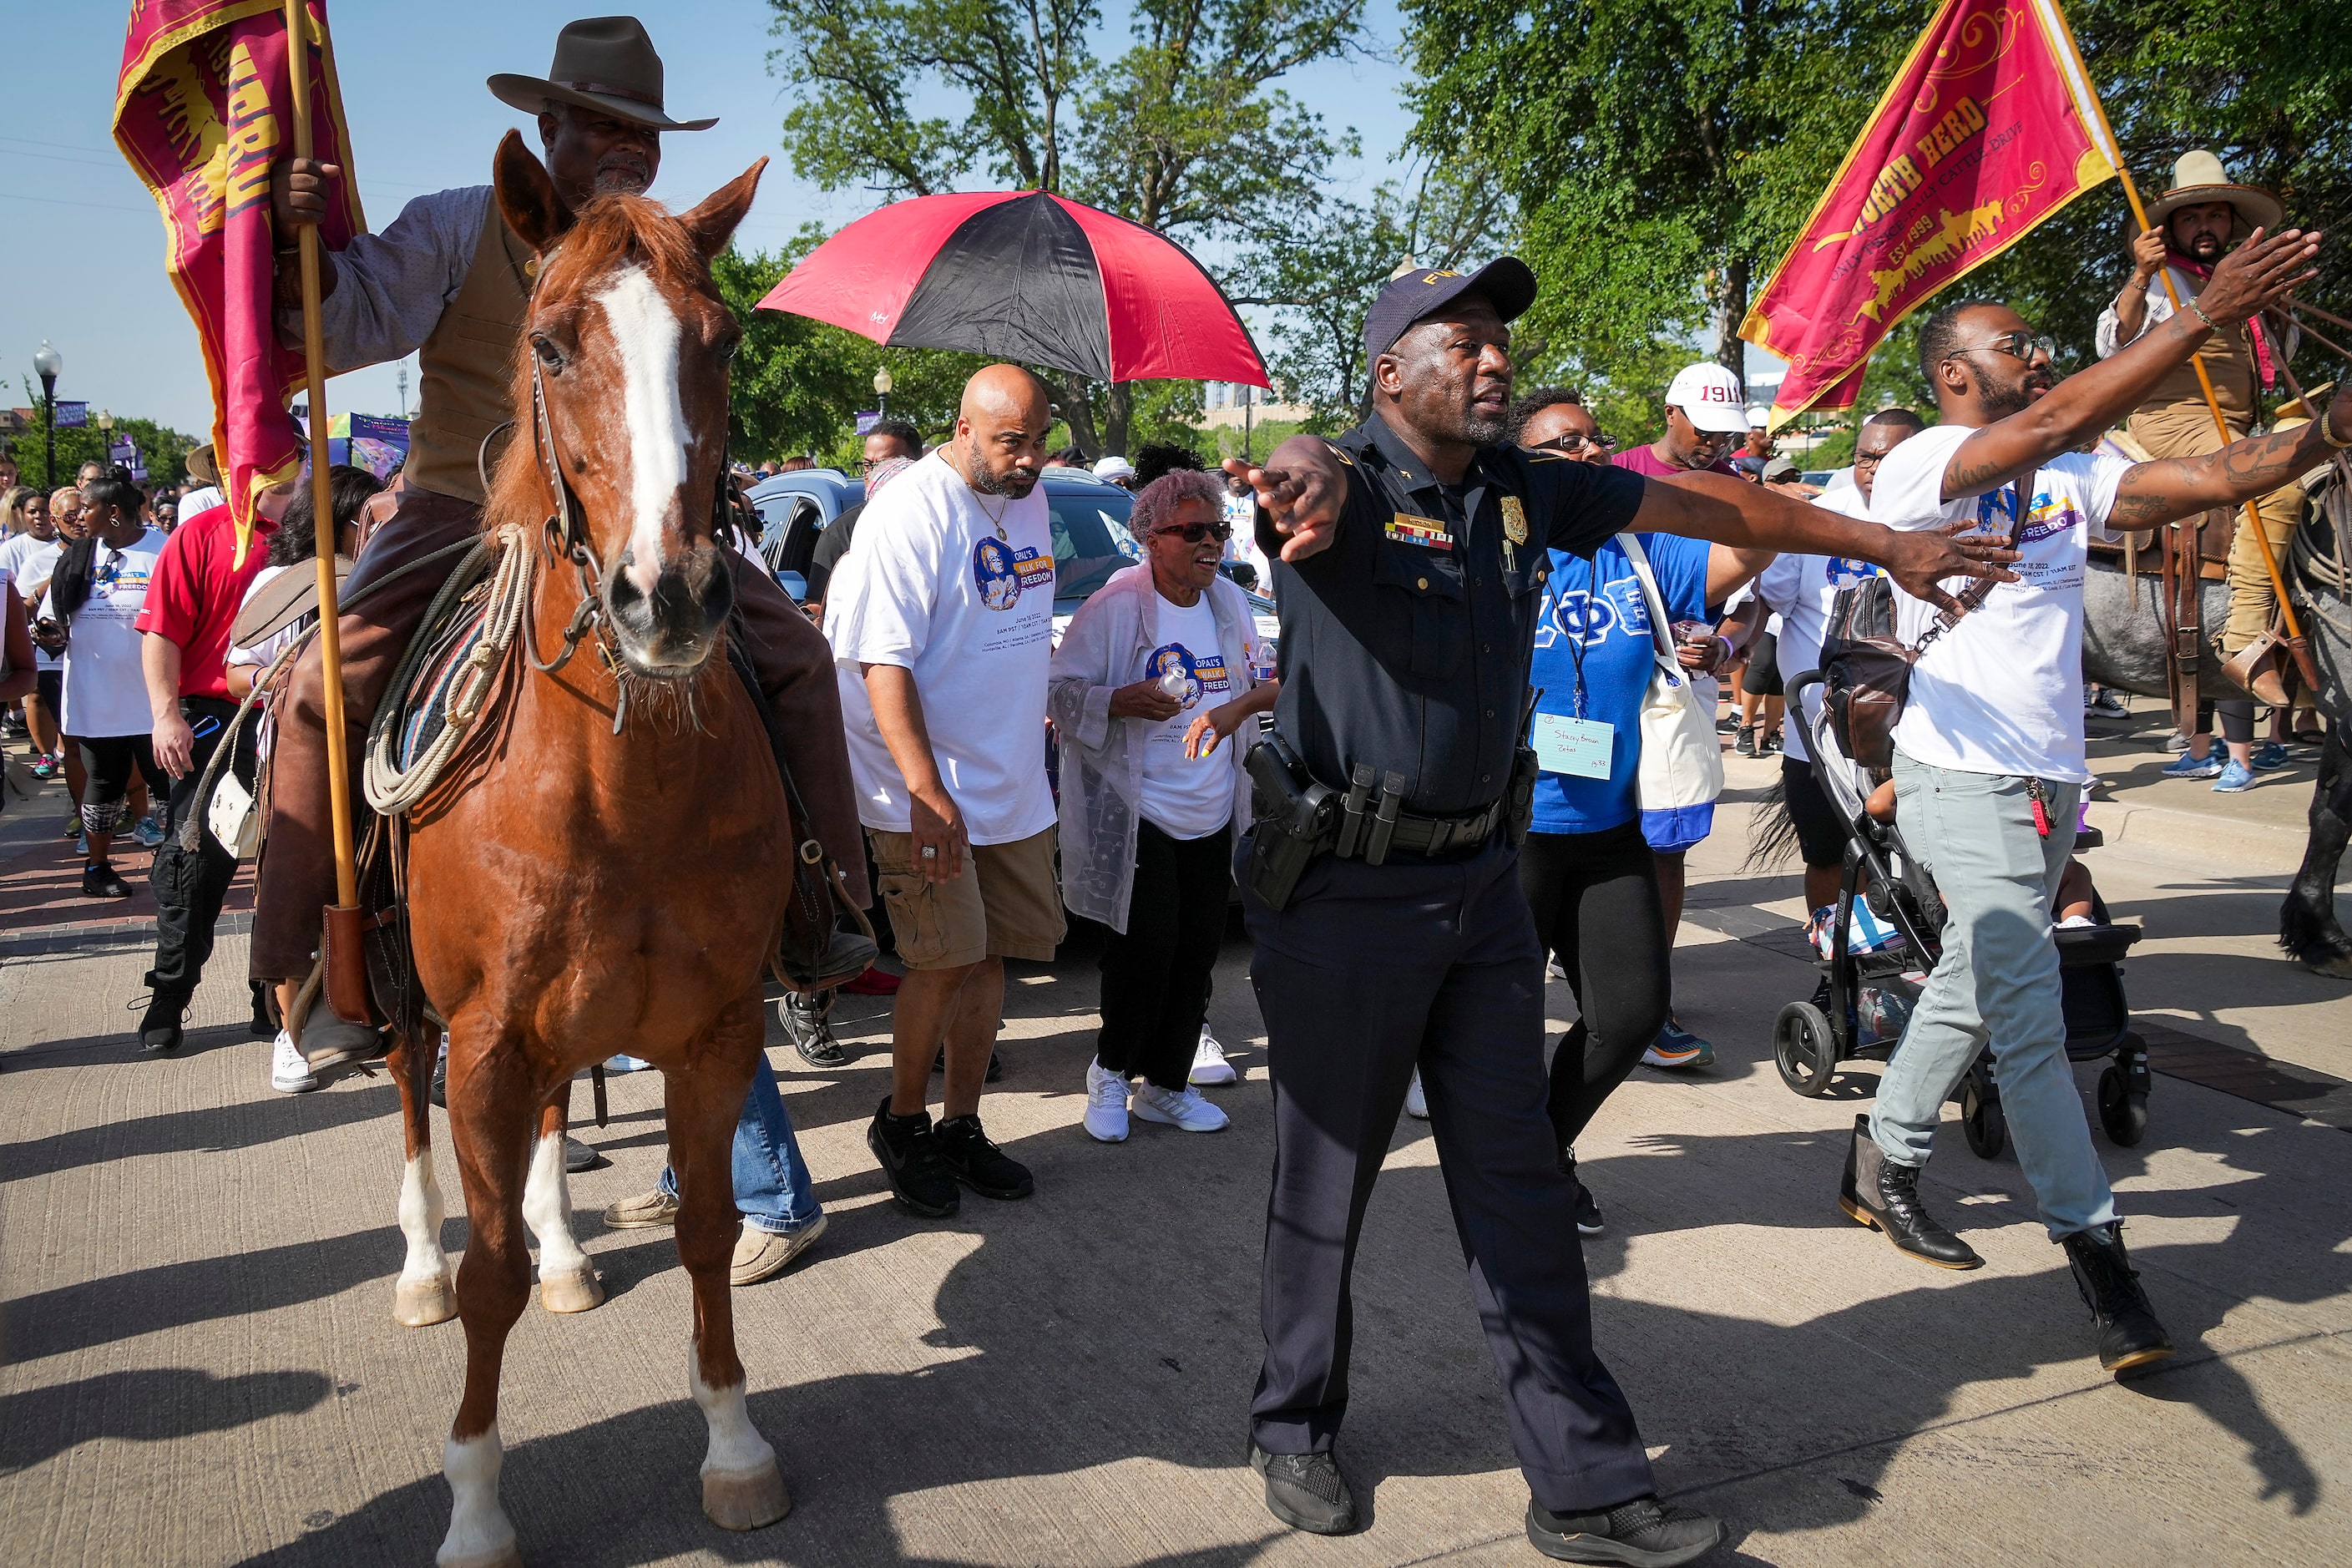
82 263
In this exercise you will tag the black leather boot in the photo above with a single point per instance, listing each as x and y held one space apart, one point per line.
2129 1336
1884 1196
160 1031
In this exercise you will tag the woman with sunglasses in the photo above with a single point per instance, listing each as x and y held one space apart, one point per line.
1154 673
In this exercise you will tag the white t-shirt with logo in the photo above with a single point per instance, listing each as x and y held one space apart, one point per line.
106 688
1799 590
1186 797
2001 692
932 589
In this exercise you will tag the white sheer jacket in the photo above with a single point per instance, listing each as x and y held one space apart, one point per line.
1109 645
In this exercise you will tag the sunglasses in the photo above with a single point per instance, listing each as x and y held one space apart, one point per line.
1576 441
2026 346
1193 532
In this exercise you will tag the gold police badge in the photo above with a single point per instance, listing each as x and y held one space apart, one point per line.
1515 521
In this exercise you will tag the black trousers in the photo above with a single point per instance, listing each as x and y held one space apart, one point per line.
1155 977
189 885
1594 897
1368 974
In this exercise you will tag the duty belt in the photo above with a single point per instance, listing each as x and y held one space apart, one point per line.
1370 832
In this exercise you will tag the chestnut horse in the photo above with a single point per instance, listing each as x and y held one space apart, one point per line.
607 867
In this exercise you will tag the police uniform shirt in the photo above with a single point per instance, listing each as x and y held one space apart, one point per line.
1405 642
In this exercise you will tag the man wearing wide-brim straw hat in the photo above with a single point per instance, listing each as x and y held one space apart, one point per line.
2201 218
450 282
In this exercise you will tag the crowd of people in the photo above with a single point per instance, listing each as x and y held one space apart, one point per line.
1432 787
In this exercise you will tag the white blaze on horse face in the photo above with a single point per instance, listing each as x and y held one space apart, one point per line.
547 1209
645 330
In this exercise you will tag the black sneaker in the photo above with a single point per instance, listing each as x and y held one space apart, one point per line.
160 1031
1306 1491
1645 1532
1746 745
100 882
2129 1336
910 1154
995 1067
1588 1213
974 1158
807 1024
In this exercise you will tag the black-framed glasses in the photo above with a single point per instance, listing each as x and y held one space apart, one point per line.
2025 347
1193 532
1574 441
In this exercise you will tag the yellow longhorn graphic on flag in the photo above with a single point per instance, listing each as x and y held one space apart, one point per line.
1954 233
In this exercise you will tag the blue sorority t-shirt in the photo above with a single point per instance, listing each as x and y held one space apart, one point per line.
1614 620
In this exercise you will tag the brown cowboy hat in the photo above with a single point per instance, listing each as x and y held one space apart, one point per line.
606 64
2199 177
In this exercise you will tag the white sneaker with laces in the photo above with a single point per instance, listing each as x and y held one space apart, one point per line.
1105 1105
1209 1064
1416 1104
289 1072
1183 1108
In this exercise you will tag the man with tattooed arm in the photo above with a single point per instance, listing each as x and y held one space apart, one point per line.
1988 755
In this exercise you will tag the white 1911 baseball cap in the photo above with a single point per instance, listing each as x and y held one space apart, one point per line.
1710 397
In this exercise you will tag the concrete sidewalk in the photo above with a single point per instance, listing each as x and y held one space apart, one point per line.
202 1366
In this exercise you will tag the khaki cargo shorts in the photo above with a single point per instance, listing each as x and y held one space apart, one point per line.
1006 904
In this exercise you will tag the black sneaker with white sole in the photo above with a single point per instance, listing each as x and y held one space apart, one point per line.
973 1159
1644 1533
908 1150
1306 1491
1588 1213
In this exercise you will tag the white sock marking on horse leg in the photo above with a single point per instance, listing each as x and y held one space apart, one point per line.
547 1209
645 331
421 1212
736 1445
479 1528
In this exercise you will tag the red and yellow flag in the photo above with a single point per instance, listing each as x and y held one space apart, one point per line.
1991 126
202 110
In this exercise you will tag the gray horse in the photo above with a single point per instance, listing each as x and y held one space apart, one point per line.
2124 647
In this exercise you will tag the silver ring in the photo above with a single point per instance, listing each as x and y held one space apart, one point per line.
930 851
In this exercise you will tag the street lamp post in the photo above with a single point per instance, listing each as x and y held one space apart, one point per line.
49 365
882 389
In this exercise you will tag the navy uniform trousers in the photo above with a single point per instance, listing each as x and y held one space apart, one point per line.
1370 972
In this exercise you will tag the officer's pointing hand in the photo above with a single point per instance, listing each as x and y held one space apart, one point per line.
1917 561
1304 499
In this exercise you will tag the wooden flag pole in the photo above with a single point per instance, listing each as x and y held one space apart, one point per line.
2296 643
322 507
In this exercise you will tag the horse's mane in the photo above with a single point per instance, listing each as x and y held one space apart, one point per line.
610 228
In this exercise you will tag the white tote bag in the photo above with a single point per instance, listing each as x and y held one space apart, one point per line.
1682 758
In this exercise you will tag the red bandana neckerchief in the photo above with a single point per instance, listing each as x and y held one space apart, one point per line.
2204 275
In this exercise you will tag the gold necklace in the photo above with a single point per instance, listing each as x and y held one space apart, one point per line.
996 517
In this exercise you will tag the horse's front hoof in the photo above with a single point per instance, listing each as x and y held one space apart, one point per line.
2335 966
745 1500
577 1292
501 1557
421 1303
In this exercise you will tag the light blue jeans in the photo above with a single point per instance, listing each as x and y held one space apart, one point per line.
1997 981
771 1181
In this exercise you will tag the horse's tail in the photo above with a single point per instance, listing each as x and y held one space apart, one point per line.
1772 831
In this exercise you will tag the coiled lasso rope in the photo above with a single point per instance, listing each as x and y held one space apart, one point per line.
391 791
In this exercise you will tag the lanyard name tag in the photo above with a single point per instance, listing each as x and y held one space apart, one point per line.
1577 747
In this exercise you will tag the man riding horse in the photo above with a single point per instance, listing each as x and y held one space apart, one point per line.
451 282
2200 220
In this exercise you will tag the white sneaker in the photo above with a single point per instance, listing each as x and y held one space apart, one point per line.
1209 1064
620 1061
1105 1105
1416 1104
1181 1108
289 1073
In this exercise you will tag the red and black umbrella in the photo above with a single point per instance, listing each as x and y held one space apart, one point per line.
1026 276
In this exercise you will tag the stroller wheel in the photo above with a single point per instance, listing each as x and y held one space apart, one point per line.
2121 1112
1981 1121
1804 1050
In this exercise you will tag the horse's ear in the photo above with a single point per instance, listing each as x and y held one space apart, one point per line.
527 197
713 222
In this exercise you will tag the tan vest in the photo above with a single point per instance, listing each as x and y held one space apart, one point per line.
466 368
2229 357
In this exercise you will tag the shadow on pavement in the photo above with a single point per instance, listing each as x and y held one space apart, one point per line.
147 1406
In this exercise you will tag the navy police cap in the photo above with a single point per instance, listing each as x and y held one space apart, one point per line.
1505 282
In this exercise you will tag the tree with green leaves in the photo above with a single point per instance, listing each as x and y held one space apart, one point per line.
163 449
1183 132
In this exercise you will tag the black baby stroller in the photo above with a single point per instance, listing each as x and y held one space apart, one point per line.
1869 995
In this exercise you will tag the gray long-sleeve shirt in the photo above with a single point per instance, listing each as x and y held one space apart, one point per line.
391 288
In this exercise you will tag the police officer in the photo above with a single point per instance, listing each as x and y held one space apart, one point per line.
1382 894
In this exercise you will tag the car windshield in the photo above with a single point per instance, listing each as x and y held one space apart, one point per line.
1090 539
